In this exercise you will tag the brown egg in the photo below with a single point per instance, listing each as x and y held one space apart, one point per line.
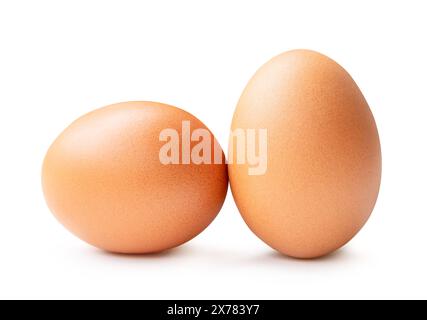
105 180
319 180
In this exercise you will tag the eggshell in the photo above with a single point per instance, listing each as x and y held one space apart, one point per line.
103 180
324 158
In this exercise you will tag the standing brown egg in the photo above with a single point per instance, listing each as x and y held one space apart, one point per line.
323 159
121 178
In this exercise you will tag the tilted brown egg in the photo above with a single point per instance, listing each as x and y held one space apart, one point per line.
323 171
105 180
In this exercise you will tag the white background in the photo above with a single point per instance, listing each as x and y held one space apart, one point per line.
61 59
